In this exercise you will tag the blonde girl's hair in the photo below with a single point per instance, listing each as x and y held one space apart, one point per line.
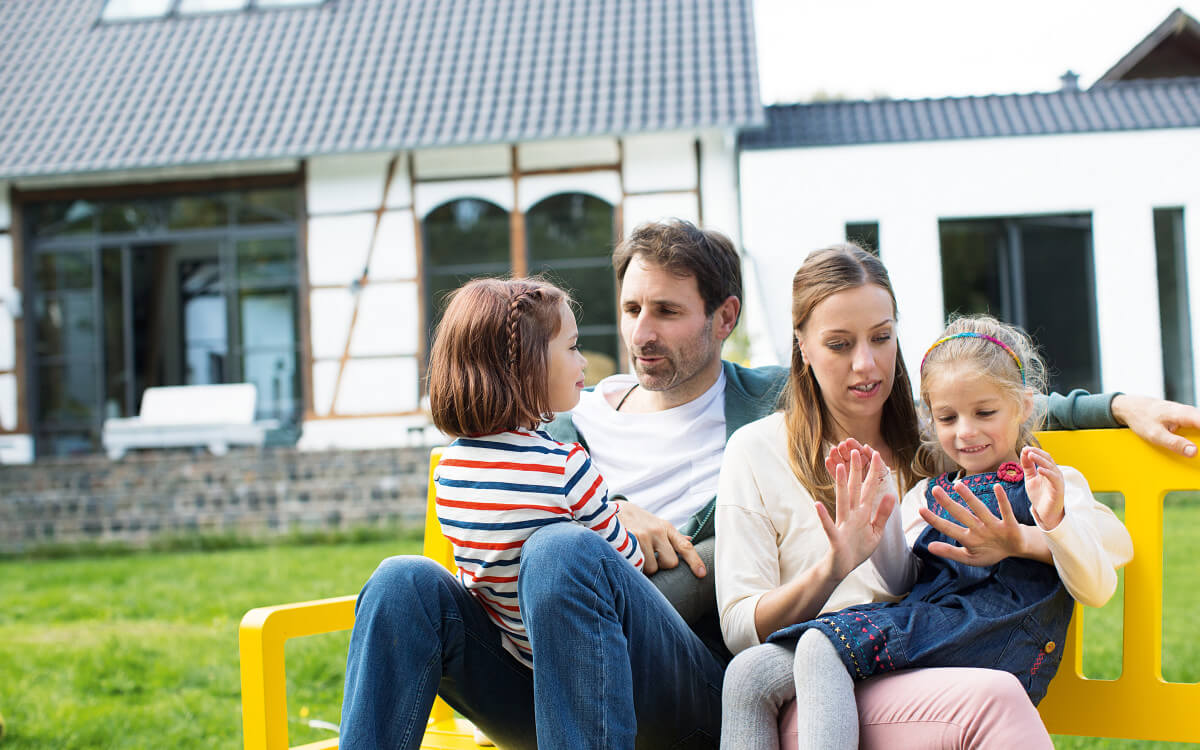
488 368
1017 371
810 426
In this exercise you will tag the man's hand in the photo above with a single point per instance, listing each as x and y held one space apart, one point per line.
662 543
1156 421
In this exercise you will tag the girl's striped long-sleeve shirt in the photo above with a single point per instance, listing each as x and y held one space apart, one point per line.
494 491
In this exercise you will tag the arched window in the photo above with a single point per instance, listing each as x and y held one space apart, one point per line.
569 238
464 238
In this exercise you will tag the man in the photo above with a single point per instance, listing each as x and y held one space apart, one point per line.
615 666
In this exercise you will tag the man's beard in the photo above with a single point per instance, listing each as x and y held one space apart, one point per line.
676 366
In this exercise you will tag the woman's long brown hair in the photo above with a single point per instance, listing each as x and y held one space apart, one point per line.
810 426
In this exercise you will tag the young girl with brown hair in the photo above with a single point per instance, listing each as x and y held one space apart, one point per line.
506 358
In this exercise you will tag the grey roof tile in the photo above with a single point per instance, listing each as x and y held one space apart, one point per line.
77 95
1123 105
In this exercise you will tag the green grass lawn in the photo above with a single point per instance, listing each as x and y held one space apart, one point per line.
140 651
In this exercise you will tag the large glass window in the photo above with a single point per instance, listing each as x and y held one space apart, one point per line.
569 238
1173 306
464 238
191 289
1035 272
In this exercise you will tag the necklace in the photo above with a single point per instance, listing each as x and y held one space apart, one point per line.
625 398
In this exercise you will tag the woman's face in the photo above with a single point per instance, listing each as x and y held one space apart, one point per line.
849 341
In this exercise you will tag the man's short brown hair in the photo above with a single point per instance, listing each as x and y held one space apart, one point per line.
685 249
488 369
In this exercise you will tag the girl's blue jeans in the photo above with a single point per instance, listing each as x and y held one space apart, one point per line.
614 664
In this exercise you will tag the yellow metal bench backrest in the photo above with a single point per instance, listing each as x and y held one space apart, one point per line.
437 548
1139 704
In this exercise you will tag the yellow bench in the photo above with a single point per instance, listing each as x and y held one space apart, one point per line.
1138 705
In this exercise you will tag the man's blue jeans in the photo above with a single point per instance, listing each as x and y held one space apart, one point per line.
614 664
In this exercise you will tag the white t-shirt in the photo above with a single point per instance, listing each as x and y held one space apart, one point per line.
667 462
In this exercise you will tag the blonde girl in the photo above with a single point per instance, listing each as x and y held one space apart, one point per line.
1004 540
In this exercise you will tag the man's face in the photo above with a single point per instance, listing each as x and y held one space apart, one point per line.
669 338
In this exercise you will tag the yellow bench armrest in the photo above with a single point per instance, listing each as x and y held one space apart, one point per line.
261 639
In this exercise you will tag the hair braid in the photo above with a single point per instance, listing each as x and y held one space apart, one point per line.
516 308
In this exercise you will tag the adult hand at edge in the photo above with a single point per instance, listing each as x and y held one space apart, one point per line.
662 543
1155 420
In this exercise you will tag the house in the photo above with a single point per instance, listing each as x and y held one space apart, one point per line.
1068 212
280 192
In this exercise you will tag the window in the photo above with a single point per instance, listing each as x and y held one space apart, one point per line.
1035 272
1173 306
569 239
129 294
464 238
865 234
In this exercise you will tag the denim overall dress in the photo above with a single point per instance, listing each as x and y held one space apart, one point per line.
1011 616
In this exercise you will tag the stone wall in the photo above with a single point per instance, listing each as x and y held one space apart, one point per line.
153 494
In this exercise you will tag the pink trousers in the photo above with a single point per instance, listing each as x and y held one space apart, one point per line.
948 708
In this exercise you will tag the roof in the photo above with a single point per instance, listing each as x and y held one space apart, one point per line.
1173 48
80 95
1132 105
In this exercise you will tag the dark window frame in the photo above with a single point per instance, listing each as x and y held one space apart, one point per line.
1011 276
224 238
431 307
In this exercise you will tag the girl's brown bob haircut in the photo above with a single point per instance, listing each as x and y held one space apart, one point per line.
488 369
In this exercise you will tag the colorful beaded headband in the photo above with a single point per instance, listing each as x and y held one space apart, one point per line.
973 335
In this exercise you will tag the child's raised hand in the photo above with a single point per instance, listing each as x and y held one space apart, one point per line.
985 539
1045 486
861 511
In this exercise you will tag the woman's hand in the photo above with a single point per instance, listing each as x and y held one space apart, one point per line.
985 539
1045 486
861 512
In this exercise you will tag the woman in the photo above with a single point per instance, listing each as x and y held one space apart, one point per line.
774 563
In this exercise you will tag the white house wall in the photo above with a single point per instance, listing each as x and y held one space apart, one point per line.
660 162
363 334
346 183
14 447
566 153
464 161
603 184
796 200
643 208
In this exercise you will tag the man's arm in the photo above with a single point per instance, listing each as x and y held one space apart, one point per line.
1151 419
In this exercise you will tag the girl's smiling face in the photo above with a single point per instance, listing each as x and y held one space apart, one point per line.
977 423
564 363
